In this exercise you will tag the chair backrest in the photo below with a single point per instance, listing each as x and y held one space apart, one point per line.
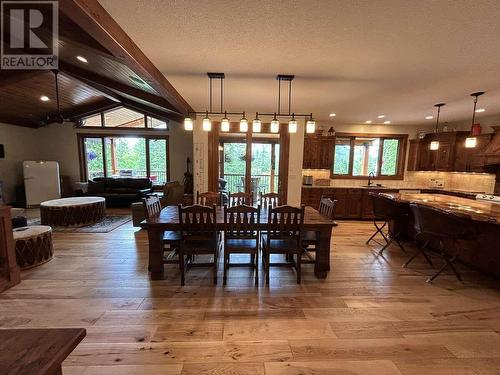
240 222
327 207
285 221
237 199
209 198
385 208
152 206
269 199
442 224
198 222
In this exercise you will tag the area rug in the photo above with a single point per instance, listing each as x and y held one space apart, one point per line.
108 224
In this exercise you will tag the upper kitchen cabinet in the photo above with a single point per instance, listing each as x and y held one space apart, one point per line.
451 155
318 151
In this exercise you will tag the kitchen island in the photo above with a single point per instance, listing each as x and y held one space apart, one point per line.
482 253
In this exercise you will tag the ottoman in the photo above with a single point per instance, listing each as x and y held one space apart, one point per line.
33 245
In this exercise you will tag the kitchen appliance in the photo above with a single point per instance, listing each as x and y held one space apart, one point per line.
307 180
41 181
488 198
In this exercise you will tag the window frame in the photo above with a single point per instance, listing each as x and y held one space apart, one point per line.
401 160
103 125
83 157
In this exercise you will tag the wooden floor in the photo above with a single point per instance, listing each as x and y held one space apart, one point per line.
370 316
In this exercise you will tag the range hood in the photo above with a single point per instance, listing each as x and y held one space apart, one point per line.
492 150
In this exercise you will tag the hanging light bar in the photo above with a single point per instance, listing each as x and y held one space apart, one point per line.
225 125
275 124
310 125
256 124
471 142
435 144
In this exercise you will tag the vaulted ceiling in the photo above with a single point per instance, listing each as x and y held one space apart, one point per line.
359 59
116 73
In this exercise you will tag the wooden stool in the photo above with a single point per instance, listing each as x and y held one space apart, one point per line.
33 245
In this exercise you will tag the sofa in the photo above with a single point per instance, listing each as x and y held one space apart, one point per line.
120 192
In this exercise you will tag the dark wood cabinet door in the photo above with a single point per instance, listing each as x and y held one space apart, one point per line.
413 155
444 155
354 203
326 152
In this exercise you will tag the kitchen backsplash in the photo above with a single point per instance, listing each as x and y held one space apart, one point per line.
473 182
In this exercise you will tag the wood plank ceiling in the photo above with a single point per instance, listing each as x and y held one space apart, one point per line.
117 73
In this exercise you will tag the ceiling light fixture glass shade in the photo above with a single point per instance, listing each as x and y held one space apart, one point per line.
207 124
224 124
188 124
470 142
256 124
310 125
275 125
434 145
243 124
292 125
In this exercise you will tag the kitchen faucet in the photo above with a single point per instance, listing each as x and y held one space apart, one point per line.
370 176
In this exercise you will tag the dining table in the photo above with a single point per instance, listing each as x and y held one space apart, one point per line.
168 220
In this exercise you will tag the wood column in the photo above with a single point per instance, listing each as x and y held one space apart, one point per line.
10 273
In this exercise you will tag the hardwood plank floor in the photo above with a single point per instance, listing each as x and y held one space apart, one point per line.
370 316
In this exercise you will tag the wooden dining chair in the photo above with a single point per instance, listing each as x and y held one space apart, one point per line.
241 236
152 208
236 199
209 198
310 239
283 236
199 236
267 200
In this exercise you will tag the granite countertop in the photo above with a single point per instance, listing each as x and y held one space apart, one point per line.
394 188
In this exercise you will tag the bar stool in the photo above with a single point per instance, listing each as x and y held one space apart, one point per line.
444 227
386 209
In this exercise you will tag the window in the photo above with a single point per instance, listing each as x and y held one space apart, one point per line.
125 156
357 156
126 118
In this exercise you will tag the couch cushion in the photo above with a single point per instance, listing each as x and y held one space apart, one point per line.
96 187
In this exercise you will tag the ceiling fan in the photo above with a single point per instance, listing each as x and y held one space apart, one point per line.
58 116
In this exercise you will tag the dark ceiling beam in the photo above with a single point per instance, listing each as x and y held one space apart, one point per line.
90 109
97 80
20 122
93 18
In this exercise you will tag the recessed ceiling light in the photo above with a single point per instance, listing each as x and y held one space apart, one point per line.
429 117
381 116
82 59
333 114
480 110
44 98
387 122
368 122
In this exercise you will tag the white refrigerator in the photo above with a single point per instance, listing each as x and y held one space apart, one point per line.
41 181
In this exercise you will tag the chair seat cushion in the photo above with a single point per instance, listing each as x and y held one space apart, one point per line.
244 243
170 236
289 244
309 236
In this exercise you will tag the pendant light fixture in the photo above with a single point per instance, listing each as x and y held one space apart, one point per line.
310 125
471 142
207 123
434 146
256 124
292 125
224 124
243 124
275 124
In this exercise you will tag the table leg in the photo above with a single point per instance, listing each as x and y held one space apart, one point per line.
58 371
155 237
322 264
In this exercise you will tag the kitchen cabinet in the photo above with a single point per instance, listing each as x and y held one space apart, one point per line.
469 159
318 151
